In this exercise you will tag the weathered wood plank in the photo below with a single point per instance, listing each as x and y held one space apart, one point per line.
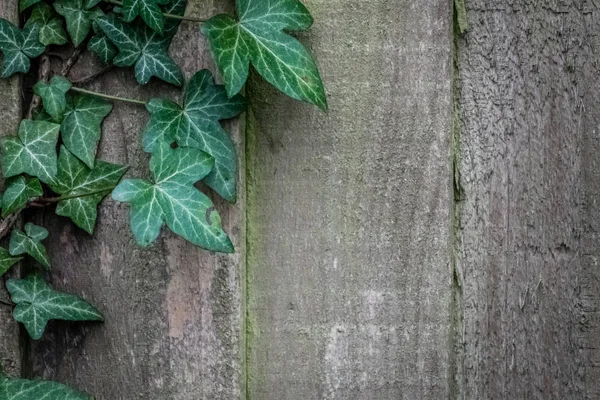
10 115
173 312
529 113
349 280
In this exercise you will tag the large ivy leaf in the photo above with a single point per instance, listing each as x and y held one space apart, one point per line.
259 37
53 96
37 303
23 389
141 46
82 125
81 189
79 15
196 124
7 261
33 152
30 243
149 10
172 199
18 47
50 25
18 192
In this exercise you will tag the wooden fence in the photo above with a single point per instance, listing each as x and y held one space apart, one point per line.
432 236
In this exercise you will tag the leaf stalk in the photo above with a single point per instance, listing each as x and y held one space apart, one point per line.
51 200
107 96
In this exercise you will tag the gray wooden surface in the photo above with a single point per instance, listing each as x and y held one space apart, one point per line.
528 113
173 312
432 236
10 113
349 212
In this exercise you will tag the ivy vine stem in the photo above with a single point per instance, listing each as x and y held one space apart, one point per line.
166 15
7 303
107 96
93 76
51 200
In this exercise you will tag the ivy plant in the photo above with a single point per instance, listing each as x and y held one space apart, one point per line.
51 161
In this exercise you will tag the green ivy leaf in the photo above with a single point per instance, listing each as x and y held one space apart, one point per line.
172 199
18 47
175 7
33 152
23 389
149 10
41 115
25 4
91 3
142 47
7 261
103 48
30 243
18 192
37 303
53 96
101 45
81 189
259 37
196 124
82 126
79 15
50 25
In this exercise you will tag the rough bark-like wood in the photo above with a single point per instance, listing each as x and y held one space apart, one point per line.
349 280
10 115
529 114
173 312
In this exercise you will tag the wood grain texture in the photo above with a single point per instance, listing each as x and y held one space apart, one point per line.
528 112
10 115
349 279
173 311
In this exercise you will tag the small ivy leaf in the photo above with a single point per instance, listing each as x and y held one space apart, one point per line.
79 16
149 10
146 49
81 128
37 303
23 389
7 261
30 243
25 4
53 96
81 189
18 192
18 47
101 46
259 37
172 199
33 152
175 7
50 25
196 125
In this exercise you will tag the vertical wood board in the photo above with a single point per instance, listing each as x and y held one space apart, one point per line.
173 311
349 278
10 115
528 117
